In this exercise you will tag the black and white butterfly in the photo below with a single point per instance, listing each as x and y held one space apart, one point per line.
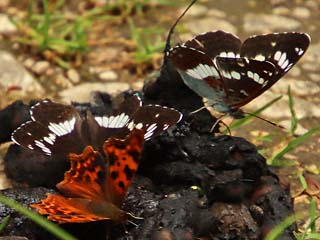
59 129
217 66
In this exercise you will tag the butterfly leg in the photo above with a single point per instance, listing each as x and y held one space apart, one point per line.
197 110
219 120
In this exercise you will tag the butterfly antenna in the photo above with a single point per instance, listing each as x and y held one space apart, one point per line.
167 47
266 120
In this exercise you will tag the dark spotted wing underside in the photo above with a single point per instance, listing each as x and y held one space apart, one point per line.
244 70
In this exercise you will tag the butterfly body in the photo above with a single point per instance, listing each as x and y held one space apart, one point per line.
217 66
103 150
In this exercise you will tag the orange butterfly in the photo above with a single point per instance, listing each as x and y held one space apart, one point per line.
94 189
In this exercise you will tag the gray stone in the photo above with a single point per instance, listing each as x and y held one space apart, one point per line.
262 23
280 10
314 77
301 12
197 10
298 87
287 124
63 81
108 75
280 109
29 62
40 67
73 75
81 92
6 26
312 56
12 73
209 24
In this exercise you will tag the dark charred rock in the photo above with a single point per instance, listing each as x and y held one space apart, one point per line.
11 118
34 169
275 203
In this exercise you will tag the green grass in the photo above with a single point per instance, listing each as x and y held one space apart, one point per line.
40 220
4 223
66 34
277 159
148 41
248 117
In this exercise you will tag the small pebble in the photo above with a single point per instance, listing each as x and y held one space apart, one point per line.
73 75
108 75
40 67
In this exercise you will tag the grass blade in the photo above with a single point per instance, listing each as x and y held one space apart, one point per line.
276 231
302 180
43 222
244 120
275 161
4 223
294 120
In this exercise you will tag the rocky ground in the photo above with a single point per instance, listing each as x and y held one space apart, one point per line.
25 74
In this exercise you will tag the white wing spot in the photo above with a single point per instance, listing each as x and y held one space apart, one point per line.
282 59
235 75
277 55
231 55
298 50
223 54
241 64
139 126
244 92
62 128
260 57
202 71
131 125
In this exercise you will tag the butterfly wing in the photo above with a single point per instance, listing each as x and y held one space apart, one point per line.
282 49
83 187
66 210
112 125
244 78
54 129
153 120
216 43
123 157
198 71
86 176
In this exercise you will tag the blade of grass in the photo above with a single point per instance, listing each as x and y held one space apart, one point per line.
244 120
294 120
302 180
276 231
49 226
313 215
275 160
45 26
4 223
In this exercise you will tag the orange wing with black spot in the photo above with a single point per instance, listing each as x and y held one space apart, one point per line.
123 159
83 197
